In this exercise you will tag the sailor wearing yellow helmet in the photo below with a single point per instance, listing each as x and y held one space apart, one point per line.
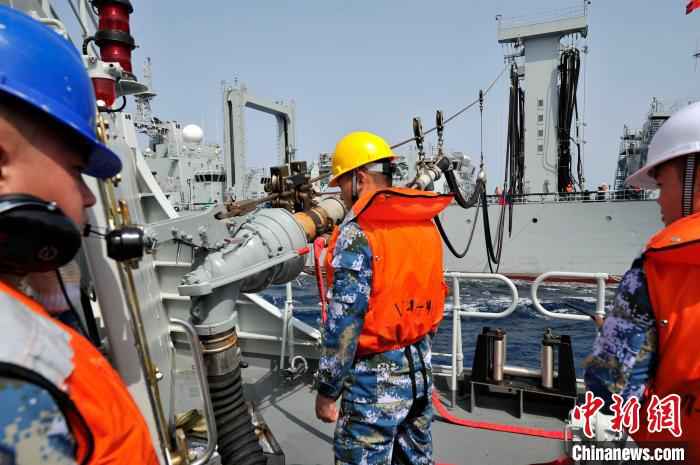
385 275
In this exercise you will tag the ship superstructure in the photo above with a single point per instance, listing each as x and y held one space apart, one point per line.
189 171
554 220
543 161
193 173
634 144
541 50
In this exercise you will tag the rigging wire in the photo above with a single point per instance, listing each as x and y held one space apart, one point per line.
404 142
584 64
491 255
479 194
481 126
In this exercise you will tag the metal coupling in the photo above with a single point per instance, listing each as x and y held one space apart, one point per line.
321 218
221 355
427 175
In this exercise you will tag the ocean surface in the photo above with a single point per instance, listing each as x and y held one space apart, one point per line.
524 327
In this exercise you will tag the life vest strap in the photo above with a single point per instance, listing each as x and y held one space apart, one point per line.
412 374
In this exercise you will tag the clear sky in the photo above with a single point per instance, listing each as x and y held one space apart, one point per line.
373 65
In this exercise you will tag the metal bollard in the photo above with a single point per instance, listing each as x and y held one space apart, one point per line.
547 359
499 355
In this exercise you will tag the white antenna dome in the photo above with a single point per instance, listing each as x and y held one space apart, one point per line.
192 134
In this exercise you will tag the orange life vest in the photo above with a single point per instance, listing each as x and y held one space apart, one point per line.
108 426
408 291
672 268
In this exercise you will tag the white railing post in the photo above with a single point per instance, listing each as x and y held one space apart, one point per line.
600 304
457 354
456 368
497 277
600 278
287 327
290 321
456 338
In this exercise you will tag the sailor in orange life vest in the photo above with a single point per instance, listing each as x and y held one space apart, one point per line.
385 275
648 342
60 400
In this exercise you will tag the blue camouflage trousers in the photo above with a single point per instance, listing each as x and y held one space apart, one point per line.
384 433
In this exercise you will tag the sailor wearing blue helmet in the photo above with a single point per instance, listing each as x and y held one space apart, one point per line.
60 400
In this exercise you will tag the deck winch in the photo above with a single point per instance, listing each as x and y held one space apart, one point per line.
554 393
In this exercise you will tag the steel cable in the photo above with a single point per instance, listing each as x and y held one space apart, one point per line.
404 142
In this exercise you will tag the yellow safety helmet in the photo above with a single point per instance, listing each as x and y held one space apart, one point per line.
357 149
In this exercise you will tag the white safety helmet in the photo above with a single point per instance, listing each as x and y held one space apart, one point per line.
678 136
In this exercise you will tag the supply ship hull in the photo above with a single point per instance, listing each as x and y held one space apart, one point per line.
547 235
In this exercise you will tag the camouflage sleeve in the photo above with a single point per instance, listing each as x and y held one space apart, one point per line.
32 427
625 350
348 301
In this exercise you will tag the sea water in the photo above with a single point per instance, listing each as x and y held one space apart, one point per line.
524 327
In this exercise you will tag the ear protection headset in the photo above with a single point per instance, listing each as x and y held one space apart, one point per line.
688 184
35 236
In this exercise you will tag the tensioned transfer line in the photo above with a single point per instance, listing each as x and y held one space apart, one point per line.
456 114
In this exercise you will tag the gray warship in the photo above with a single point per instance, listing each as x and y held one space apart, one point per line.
222 375
546 229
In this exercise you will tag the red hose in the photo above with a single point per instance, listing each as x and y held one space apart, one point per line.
448 417
319 245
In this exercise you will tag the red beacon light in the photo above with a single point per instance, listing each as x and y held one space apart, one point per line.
113 35
105 90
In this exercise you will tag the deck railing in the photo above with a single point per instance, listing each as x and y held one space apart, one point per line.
456 367
585 196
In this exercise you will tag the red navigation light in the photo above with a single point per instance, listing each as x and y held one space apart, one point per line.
105 90
113 35
115 17
116 52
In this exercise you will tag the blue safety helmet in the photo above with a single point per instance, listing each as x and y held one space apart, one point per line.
44 70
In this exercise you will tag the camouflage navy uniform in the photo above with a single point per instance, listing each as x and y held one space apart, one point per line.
385 412
32 428
624 352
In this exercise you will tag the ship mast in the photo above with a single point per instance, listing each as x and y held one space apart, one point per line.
536 43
